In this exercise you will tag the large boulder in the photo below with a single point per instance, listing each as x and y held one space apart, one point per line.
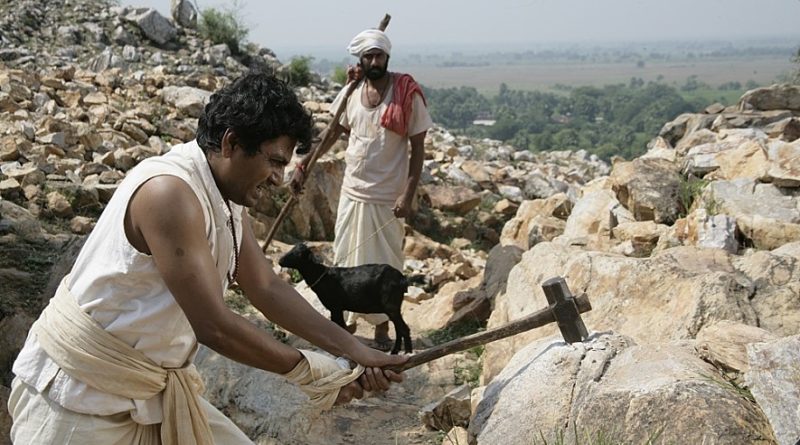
669 296
470 300
315 215
748 160
551 390
702 149
189 100
446 308
724 344
749 119
153 25
499 264
784 164
648 188
702 230
537 220
184 13
774 97
684 125
787 129
774 380
592 219
774 277
766 215
459 200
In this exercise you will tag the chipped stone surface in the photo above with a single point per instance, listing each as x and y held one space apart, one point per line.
774 380
551 389
450 411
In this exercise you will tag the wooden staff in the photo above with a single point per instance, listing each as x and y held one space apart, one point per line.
328 139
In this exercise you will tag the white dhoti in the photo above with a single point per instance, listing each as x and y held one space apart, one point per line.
84 350
38 420
367 234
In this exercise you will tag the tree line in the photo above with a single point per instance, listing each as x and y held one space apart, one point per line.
607 121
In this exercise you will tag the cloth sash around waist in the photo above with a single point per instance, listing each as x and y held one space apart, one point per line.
87 352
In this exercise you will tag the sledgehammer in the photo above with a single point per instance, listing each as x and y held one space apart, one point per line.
563 309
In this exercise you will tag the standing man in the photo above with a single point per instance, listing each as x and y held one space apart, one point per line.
384 114
109 361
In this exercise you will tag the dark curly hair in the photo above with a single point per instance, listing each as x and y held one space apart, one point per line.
257 107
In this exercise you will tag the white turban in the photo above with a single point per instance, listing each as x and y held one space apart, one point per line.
369 39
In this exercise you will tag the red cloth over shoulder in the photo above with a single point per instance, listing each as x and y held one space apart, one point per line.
398 113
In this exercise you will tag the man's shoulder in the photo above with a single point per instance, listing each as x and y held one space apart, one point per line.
403 76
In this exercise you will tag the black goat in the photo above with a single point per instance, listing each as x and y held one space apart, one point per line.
367 289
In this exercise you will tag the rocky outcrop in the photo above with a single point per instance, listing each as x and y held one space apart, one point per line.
184 13
689 254
776 97
669 296
550 389
724 344
715 218
775 383
648 189
767 216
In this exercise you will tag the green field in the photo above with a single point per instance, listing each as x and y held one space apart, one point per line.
762 70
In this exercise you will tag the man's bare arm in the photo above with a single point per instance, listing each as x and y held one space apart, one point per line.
403 205
168 216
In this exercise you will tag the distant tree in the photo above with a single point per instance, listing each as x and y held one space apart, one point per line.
730 86
339 75
691 83
584 102
299 71
606 150
223 26
504 128
566 139
456 107
612 120
636 82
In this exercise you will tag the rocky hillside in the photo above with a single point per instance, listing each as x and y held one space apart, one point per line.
689 254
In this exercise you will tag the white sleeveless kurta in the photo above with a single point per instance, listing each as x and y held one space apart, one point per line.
122 290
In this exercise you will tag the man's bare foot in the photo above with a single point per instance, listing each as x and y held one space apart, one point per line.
351 328
382 340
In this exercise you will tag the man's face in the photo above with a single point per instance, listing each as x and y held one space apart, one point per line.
253 175
374 63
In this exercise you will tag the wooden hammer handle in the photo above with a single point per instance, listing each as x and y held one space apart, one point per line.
535 320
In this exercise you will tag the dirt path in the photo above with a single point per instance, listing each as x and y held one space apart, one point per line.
393 417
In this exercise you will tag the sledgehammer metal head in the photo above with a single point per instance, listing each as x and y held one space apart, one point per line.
564 309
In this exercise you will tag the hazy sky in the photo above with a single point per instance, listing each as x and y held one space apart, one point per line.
296 26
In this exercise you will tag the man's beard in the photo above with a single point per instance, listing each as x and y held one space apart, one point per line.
374 73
